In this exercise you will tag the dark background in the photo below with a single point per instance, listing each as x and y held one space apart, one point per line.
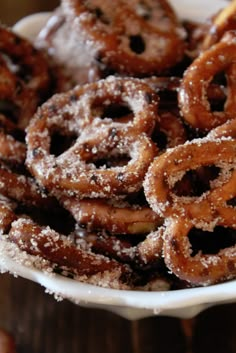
13 10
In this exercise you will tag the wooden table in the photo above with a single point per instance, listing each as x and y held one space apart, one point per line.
40 324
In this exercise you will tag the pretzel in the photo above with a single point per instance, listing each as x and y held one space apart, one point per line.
11 150
222 22
171 166
25 86
59 250
227 129
7 213
82 178
74 171
149 251
23 189
71 63
112 246
194 106
108 100
130 38
170 131
201 268
196 32
120 218
167 88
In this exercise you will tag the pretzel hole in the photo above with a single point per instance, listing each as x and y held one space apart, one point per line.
208 242
137 44
111 161
9 110
115 111
57 218
97 11
196 182
217 103
160 139
24 73
61 143
137 198
232 202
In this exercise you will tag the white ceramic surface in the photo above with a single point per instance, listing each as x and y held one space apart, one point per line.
129 304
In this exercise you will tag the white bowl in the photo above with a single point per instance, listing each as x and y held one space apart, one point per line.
183 303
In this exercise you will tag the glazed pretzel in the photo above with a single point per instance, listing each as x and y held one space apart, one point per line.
28 83
111 245
74 171
224 21
170 131
167 88
102 99
198 269
131 38
11 150
23 189
193 103
149 251
117 219
7 214
59 250
171 166
227 129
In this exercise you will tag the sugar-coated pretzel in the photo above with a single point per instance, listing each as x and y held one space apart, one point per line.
146 254
112 246
193 101
172 84
134 38
167 88
197 269
71 63
119 218
22 189
222 22
11 150
74 171
223 196
170 131
107 100
7 214
149 251
196 32
29 82
59 250
170 167
227 129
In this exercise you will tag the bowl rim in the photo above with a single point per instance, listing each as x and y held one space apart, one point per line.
79 292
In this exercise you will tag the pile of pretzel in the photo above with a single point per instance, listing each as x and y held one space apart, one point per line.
118 151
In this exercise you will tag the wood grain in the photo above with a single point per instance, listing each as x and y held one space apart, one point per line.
40 324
